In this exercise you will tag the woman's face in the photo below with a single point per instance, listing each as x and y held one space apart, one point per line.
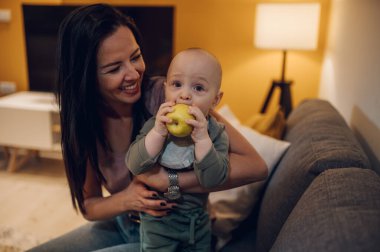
120 68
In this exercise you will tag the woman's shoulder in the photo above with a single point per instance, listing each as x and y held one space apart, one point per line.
154 83
154 93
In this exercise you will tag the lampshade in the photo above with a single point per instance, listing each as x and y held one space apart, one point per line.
287 26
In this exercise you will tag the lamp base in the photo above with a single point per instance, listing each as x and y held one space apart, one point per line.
285 96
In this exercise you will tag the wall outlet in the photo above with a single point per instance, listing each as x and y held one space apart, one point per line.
7 87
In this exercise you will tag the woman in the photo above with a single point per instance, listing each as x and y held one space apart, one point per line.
104 99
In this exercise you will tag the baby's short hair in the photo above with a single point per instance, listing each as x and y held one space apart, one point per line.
217 65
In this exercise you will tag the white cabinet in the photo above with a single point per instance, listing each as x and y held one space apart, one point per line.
29 121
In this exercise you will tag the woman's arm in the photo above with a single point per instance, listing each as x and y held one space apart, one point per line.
136 197
246 166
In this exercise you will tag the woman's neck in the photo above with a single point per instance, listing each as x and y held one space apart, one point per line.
118 125
118 131
118 110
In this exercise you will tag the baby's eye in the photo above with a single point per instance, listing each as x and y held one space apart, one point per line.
199 88
176 84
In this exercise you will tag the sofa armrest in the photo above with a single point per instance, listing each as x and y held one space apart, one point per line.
340 211
320 140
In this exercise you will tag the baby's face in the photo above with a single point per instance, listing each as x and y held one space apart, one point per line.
194 79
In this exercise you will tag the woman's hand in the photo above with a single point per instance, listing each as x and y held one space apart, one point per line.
156 178
139 198
136 197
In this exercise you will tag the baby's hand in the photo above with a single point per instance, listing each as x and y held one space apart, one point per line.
200 131
162 119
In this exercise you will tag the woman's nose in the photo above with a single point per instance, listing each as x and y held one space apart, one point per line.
131 73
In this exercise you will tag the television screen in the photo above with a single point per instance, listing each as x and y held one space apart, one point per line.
41 24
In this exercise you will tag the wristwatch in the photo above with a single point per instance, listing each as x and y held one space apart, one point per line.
173 192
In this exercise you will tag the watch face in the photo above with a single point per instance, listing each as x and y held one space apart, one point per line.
172 194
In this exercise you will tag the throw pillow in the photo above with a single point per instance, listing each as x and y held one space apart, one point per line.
230 207
271 123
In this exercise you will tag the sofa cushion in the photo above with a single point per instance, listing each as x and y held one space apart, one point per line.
231 207
320 140
340 211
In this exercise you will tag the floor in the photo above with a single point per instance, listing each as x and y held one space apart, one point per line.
35 202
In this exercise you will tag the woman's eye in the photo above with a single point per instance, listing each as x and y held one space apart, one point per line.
111 69
114 69
136 58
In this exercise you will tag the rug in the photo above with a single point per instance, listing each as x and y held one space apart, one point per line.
12 240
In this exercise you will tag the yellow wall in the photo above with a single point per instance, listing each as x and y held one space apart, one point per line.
224 27
12 47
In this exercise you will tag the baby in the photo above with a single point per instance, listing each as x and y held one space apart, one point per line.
194 79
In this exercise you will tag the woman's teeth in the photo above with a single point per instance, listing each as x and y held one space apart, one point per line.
131 87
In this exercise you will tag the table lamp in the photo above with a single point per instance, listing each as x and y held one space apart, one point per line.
291 26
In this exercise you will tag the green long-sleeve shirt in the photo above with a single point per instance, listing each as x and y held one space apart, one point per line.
211 171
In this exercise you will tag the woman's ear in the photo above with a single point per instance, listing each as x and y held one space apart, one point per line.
217 99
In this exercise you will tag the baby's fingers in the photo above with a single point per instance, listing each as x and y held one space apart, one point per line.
163 119
196 112
166 105
193 123
164 110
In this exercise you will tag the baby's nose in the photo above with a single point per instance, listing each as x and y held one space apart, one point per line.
185 95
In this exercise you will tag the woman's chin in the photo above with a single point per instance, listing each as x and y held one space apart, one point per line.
129 97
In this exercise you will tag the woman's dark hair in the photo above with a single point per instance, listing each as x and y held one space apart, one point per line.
80 35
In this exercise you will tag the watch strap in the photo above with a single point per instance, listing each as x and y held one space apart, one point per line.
173 192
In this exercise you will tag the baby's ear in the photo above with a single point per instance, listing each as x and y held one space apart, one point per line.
217 99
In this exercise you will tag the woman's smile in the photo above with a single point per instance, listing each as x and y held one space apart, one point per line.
130 89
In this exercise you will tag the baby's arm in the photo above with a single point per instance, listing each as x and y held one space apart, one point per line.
155 139
211 156
137 159
213 169
144 151
200 136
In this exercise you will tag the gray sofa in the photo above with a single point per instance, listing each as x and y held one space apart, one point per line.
322 195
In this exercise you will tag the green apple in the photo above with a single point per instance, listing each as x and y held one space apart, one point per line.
178 127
